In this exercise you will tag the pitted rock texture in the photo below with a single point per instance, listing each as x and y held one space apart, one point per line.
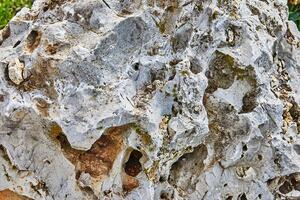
150 99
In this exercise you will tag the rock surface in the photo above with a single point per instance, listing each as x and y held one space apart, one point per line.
150 99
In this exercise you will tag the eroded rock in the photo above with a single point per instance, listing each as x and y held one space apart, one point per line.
150 99
9 195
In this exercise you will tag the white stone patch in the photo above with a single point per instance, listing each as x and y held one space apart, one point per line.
234 94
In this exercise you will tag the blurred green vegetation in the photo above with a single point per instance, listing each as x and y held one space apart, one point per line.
8 9
294 14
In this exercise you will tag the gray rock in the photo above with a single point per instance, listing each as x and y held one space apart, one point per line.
150 99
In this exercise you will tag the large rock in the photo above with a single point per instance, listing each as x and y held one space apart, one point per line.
150 99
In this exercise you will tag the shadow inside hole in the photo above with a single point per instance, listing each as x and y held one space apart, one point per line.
33 40
133 166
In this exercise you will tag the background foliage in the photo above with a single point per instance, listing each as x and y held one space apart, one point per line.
8 9
294 14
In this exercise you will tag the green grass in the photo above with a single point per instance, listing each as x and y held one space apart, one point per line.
8 8
294 14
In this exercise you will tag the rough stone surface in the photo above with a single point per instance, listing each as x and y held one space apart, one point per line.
150 99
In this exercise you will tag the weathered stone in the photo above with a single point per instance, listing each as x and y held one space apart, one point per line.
9 195
15 71
150 99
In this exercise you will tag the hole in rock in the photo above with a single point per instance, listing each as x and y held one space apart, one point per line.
165 195
133 166
162 179
33 40
242 197
224 72
185 166
107 192
286 187
17 44
287 184
136 66
260 157
229 198
295 180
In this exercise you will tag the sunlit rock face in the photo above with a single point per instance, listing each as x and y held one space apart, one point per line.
150 99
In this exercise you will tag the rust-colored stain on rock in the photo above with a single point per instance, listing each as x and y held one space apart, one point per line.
51 4
42 106
42 77
98 160
131 169
10 195
51 49
129 183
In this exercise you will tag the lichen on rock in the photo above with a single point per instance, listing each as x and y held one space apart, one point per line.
150 99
